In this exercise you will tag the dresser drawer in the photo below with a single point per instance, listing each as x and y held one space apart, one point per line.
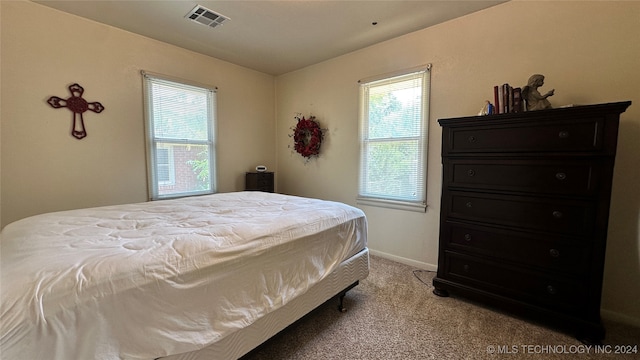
550 136
538 213
548 289
556 253
570 177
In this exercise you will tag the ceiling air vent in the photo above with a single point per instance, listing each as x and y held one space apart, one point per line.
204 16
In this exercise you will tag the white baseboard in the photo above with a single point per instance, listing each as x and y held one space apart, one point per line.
619 318
402 260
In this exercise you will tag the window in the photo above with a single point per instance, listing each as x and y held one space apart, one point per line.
164 163
180 121
393 140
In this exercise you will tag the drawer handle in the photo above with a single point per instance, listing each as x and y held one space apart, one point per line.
552 289
467 237
554 253
471 139
469 205
558 214
561 176
563 134
471 172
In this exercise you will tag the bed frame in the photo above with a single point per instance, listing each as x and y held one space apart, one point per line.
345 277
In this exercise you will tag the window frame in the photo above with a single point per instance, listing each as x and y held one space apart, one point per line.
366 198
152 141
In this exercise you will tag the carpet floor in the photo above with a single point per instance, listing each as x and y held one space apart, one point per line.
393 314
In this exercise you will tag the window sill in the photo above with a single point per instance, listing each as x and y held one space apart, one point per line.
393 204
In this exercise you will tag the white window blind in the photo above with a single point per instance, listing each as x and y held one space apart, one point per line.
393 140
180 123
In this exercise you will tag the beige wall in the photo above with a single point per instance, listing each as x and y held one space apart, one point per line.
45 169
588 52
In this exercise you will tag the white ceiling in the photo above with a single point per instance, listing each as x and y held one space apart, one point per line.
273 37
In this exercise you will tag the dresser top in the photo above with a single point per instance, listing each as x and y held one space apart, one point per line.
548 114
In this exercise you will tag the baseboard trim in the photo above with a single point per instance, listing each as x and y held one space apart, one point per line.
403 260
619 318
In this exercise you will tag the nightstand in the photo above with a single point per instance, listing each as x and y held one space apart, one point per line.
259 181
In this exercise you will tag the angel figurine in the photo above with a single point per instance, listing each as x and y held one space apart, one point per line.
533 99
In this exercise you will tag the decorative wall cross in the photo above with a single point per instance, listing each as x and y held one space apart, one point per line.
78 106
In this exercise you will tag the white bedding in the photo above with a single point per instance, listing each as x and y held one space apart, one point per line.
141 281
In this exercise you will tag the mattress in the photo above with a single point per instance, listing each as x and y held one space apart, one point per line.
147 280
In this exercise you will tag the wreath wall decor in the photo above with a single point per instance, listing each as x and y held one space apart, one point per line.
307 137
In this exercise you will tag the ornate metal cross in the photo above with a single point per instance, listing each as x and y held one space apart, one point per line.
78 106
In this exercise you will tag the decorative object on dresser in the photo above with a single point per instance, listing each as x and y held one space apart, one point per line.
259 181
507 99
487 109
525 209
532 97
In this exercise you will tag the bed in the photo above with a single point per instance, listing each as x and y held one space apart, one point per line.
207 277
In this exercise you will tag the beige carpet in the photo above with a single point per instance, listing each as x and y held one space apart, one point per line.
394 315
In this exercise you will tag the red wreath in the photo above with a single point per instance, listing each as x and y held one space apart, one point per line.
307 137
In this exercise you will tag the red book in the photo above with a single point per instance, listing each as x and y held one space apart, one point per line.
496 99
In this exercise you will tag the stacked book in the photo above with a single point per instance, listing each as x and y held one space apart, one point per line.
508 99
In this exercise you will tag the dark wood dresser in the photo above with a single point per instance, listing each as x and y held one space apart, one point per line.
259 181
524 213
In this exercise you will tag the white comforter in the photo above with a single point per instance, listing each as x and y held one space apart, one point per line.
140 281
